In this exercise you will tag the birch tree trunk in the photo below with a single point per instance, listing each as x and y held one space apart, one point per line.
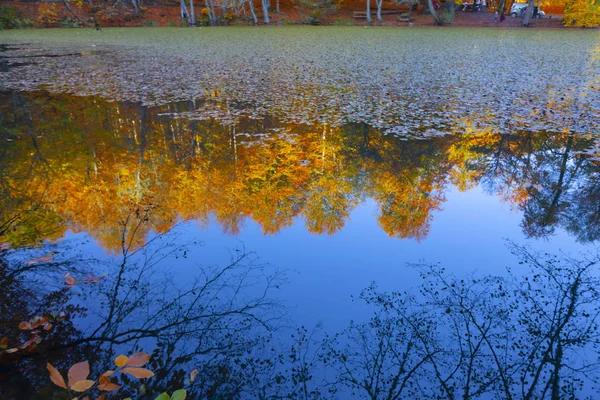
369 11
192 14
72 12
184 10
379 4
223 9
210 7
434 13
253 12
265 7
528 13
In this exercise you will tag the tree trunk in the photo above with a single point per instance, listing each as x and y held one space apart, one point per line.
184 10
369 11
223 9
210 7
192 14
136 8
72 12
379 4
253 12
277 7
434 13
265 7
528 13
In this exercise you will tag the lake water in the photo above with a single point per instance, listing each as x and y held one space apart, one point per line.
200 194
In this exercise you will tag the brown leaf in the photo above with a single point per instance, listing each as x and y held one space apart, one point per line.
139 372
55 376
101 397
121 360
109 387
193 375
25 326
108 373
47 326
138 359
39 321
82 386
70 281
28 343
78 372
45 258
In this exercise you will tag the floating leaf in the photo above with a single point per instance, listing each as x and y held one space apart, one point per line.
45 258
180 394
138 359
163 396
4 343
193 375
82 386
70 281
121 361
108 373
139 372
78 372
106 384
25 326
55 376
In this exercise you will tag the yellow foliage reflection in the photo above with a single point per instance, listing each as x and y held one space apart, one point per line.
89 165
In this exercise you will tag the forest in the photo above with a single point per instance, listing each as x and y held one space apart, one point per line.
185 13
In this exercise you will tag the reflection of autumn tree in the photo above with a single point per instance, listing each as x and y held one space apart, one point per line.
86 164
108 159
545 175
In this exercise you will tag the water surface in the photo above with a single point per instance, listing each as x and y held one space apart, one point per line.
317 178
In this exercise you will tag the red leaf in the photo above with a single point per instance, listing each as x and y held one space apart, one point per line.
56 377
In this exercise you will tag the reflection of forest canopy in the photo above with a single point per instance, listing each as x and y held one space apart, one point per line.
532 334
83 164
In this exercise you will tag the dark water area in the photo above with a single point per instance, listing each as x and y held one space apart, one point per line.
243 249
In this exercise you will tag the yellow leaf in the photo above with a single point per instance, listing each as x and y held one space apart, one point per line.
139 372
121 361
82 386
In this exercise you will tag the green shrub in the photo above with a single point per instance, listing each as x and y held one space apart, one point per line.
203 21
150 23
172 24
23 23
69 23
9 17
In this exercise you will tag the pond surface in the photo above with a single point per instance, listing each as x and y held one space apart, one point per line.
220 198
